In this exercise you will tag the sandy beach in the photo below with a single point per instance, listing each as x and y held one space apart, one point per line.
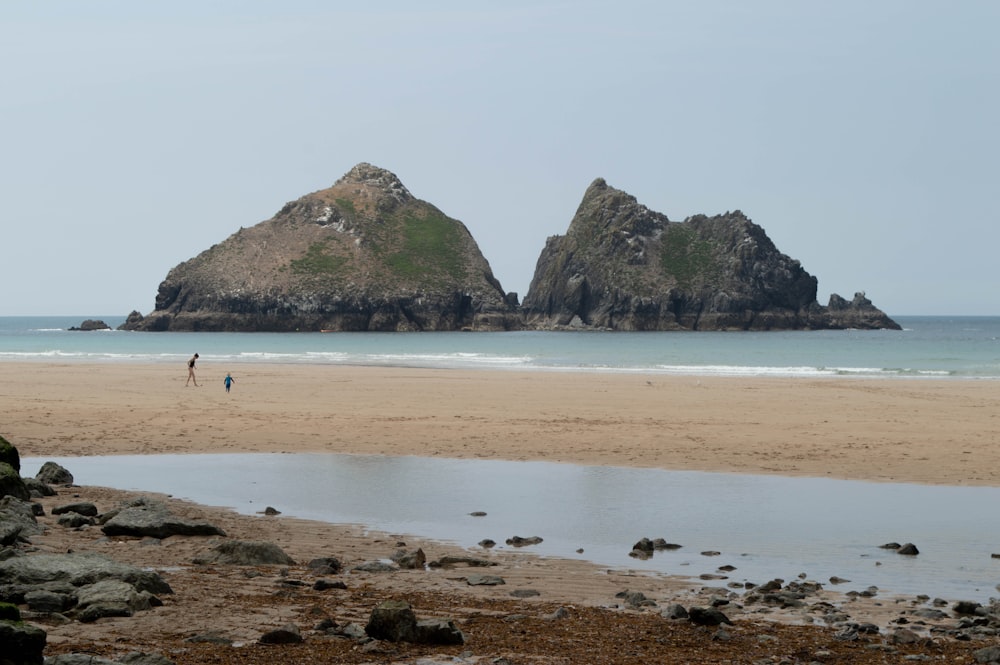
922 431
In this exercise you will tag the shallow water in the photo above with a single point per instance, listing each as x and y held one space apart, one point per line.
765 526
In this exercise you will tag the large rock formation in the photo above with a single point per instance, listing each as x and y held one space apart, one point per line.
363 255
622 266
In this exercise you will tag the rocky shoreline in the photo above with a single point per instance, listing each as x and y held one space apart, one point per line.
135 578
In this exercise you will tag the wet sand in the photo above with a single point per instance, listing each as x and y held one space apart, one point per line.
899 430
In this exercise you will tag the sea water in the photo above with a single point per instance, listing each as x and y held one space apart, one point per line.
927 347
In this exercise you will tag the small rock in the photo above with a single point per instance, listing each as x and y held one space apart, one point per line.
326 565
54 474
287 634
376 567
82 508
674 611
987 655
484 580
414 560
560 613
966 607
525 593
707 616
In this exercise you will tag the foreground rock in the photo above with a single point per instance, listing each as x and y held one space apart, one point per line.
395 621
144 517
363 255
53 473
77 570
11 483
621 266
245 553
17 521
20 643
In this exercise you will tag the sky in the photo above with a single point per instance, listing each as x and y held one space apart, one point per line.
864 137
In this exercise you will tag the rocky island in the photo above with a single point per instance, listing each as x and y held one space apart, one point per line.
366 255
622 266
362 255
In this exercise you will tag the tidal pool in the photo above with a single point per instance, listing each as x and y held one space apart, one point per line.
765 526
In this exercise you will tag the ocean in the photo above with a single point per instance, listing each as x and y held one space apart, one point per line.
965 347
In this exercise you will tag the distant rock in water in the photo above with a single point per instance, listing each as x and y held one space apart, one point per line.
92 324
363 255
622 266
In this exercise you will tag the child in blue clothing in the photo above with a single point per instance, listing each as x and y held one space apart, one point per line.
229 381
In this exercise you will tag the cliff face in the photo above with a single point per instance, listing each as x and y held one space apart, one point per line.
363 255
622 266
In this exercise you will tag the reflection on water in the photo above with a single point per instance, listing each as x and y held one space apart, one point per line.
765 526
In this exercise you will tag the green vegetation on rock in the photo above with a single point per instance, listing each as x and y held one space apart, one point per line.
317 262
9 612
430 243
684 256
9 454
346 205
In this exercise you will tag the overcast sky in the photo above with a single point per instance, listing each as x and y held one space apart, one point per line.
864 137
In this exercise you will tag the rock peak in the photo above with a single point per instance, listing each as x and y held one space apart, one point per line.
373 176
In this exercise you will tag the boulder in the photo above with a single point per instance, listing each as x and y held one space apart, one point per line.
44 600
328 565
245 553
484 580
37 488
674 611
54 474
392 620
287 634
395 621
17 520
376 567
22 643
450 560
143 517
707 616
9 454
78 569
81 508
414 560
110 598
75 521
11 483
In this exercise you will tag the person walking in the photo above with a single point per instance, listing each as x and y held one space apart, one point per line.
229 381
191 376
